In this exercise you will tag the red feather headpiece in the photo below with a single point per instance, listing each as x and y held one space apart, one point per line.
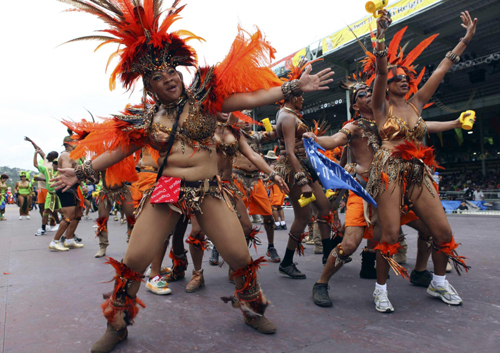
396 59
144 43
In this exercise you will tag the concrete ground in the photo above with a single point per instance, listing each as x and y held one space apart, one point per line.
49 301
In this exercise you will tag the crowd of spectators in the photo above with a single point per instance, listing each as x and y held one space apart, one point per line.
472 183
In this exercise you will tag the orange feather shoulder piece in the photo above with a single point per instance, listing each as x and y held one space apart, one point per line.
245 69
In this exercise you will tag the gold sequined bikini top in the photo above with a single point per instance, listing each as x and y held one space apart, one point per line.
197 130
396 129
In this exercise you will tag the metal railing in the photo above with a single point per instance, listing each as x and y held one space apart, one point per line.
489 195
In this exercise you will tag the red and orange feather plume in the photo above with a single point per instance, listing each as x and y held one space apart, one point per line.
408 150
135 26
396 58
244 69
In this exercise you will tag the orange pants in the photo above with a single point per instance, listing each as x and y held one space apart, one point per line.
42 195
277 196
146 181
354 215
258 201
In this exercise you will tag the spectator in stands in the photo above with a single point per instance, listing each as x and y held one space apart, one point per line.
463 206
478 194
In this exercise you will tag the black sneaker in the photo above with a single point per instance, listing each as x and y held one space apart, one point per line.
283 227
214 258
292 271
273 254
320 295
421 279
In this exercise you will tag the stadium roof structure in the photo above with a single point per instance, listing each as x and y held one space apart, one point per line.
472 84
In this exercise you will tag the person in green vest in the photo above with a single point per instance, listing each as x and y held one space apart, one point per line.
52 204
23 190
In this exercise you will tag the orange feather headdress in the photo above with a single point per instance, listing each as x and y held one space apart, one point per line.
145 45
396 60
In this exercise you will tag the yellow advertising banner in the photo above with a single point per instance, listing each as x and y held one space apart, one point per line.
399 11
298 56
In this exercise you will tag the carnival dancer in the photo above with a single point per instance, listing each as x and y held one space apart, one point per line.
301 179
237 150
361 137
400 177
51 204
276 197
3 195
23 190
179 125
246 177
70 204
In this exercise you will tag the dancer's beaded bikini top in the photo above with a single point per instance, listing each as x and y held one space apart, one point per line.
396 129
196 131
228 150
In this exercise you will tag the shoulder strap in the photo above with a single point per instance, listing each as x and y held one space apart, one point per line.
390 110
180 109
414 108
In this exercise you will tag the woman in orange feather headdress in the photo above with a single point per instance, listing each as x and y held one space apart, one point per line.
400 177
180 126
295 168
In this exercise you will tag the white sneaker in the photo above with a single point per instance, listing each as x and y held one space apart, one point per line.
164 270
382 302
446 292
20 218
27 217
57 246
40 232
448 267
158 285
72 244
54 228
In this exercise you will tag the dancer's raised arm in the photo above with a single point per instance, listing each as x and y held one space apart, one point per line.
422 97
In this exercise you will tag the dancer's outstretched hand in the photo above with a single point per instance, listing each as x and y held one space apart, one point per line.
318 82
281 184
66 179
469 25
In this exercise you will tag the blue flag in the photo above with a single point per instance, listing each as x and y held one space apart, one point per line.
331 175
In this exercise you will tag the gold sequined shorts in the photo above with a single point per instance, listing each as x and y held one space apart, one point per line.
408 174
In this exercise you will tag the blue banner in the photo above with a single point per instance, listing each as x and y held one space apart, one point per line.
332 175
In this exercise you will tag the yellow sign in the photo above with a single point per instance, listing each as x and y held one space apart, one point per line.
298 56
399 11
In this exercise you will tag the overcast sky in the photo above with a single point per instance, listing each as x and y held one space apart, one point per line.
42 83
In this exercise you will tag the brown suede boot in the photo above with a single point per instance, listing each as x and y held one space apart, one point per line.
197 282
262 324
250 299
109 340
